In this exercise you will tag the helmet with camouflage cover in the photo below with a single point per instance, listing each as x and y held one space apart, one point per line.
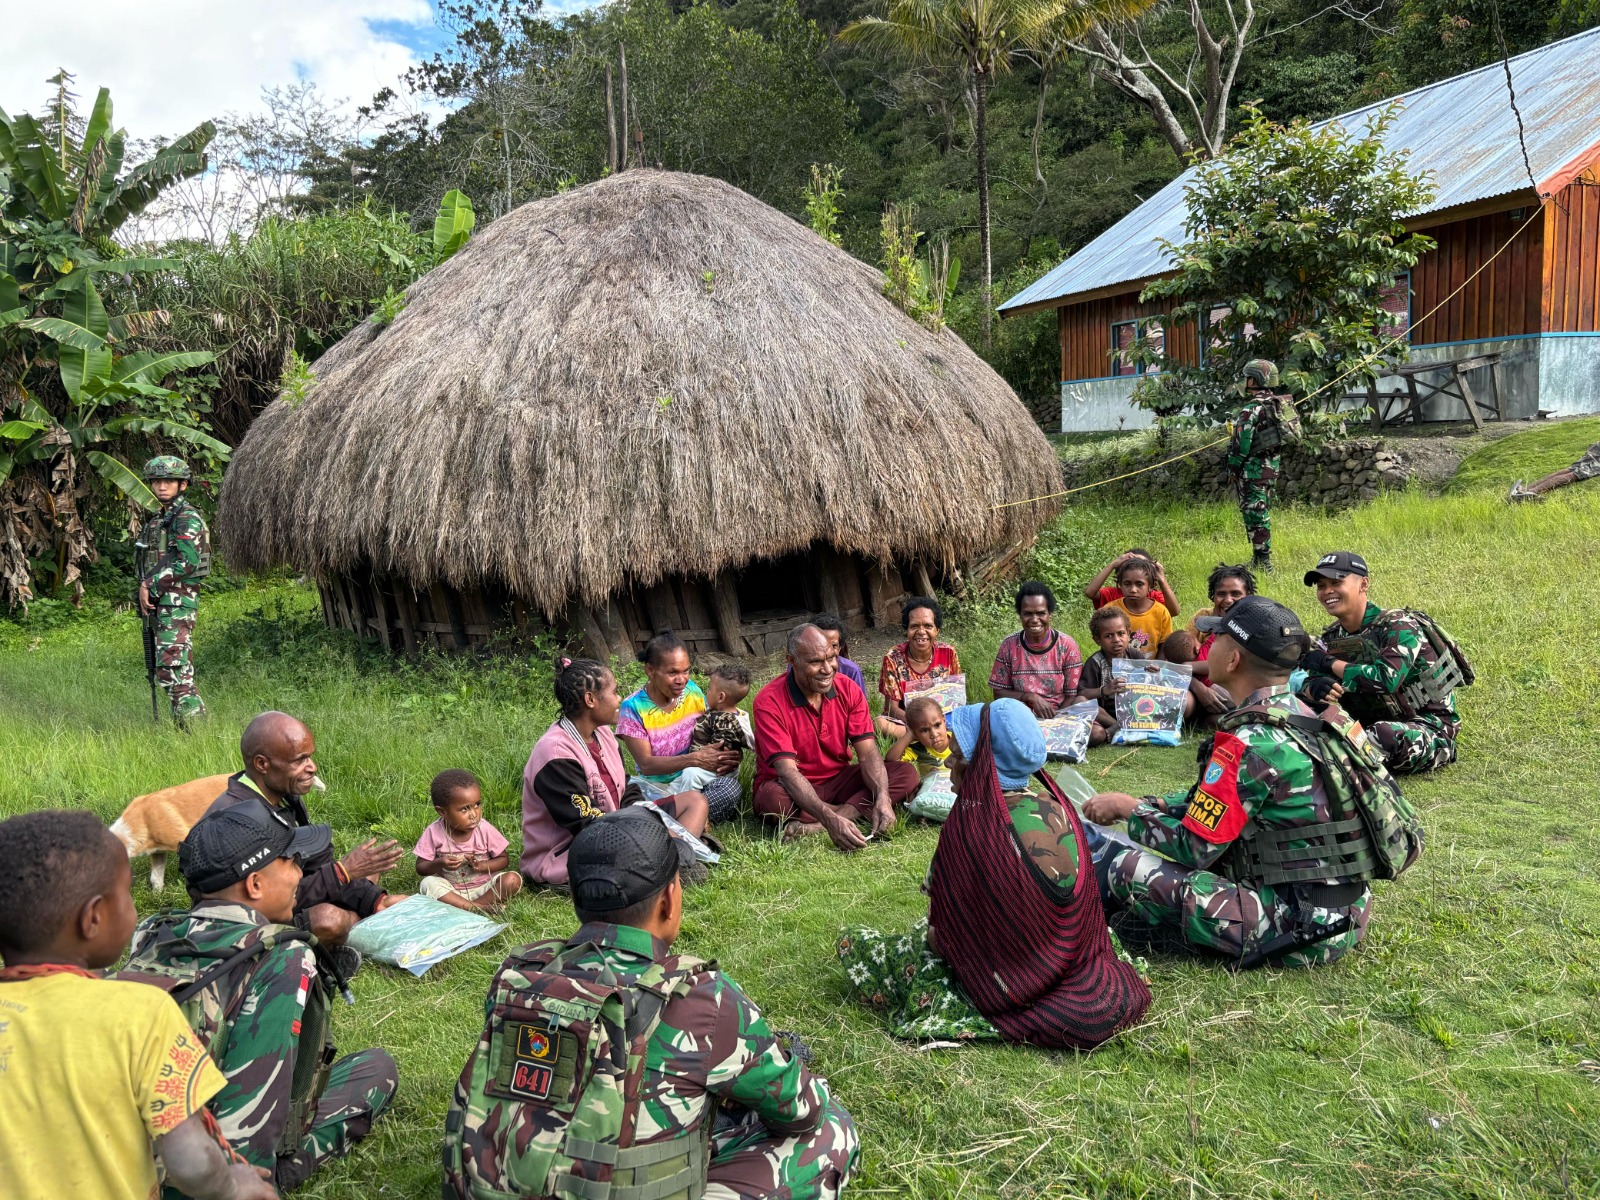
166 466
1265 373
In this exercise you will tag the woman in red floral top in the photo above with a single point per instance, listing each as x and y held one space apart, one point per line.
915 663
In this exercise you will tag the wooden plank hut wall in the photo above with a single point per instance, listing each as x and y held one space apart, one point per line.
1571 250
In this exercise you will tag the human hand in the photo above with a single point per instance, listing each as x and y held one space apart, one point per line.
1039 705
251 1183
1214 700
1324 689
454 862
144 599
728 761
842 830
1318 662
1125 556
372 858
883 818
1111 686
1108 808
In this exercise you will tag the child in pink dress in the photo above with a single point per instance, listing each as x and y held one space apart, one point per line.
462 858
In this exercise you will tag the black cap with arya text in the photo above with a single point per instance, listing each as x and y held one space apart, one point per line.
1263 628
228 846
1336 566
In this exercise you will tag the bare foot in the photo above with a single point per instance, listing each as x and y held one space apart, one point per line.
793 831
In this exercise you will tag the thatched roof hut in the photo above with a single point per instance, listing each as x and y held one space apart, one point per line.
651 400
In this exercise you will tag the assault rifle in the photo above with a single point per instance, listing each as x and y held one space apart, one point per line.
141 566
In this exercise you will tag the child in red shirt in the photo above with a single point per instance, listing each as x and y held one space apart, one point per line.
1099 593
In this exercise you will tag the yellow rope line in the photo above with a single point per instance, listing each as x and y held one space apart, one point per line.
1370 358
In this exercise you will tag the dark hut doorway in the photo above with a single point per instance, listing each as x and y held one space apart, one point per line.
771 589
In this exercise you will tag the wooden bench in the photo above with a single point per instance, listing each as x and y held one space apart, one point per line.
1389 408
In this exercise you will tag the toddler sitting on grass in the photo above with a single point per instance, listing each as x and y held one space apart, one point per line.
926 741
461 858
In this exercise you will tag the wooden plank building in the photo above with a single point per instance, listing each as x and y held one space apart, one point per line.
1536 304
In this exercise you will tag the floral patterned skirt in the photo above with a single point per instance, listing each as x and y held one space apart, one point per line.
901 976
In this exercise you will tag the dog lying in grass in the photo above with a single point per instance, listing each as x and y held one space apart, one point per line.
156 822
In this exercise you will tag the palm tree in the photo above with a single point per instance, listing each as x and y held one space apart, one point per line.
981 38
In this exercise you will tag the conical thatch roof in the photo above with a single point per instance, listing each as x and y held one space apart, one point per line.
653 375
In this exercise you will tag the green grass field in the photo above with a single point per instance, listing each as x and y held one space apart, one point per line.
1457 1054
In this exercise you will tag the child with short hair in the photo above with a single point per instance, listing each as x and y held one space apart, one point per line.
461 858
1149 623
926 741
102 1077
1099 594
724 723
1111 631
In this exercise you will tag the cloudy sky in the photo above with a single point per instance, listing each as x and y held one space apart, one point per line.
171 64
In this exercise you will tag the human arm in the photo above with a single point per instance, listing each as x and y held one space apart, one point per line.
1197 828
1206 697
197 1166
750 1068
181 563
900 750
708 758
1038 705
1091 590
844 833
328 882
563 788
1169 594
1395 649
1002 681
892 689
877 781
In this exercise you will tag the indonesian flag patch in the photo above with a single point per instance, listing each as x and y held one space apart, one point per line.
1215 814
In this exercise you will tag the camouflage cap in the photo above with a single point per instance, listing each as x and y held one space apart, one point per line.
1265 373
166 466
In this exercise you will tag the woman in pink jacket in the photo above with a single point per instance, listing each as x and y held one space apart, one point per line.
575 773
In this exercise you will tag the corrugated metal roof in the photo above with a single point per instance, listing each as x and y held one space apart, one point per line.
1461 129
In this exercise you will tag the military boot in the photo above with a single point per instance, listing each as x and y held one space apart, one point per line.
1262 561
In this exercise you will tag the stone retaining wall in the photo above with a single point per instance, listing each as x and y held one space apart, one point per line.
1332 474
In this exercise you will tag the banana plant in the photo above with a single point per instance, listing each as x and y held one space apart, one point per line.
453 224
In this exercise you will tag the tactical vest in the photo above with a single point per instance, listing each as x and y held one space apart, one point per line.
1373 832
154 537
1431 684
1275 421
208 983
547 1105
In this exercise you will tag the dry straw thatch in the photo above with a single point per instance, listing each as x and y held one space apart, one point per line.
654 375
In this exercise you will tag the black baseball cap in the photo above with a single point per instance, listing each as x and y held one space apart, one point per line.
621 859
1263 628
226 847
1336 566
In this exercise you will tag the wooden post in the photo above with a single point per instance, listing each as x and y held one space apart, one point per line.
406 604
662 606
828 581
611 126
726 600
924 580
381 604
595 643
622 50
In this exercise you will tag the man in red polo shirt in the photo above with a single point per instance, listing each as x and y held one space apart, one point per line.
806 721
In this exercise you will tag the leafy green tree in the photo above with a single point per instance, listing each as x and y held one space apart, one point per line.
1293 236
981 39
71 392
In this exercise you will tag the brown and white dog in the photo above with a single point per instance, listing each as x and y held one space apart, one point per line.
156 822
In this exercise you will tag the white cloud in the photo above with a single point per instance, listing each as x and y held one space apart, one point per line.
171 64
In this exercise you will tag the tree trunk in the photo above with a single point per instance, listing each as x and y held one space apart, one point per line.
982 88
622 49
611 125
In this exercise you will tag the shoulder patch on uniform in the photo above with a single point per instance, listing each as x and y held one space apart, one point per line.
1215 813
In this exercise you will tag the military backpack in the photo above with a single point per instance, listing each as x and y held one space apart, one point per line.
547 1105
1274 419
1374 832
207 977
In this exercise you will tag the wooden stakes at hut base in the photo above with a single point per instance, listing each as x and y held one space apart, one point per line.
651 401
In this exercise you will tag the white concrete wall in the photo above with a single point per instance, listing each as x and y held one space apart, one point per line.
1558 372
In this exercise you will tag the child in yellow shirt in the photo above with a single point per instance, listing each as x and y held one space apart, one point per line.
1149 623
926 741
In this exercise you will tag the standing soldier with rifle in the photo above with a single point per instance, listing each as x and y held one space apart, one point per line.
174 555
1268 422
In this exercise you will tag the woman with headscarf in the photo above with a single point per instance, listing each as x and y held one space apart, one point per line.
1015 945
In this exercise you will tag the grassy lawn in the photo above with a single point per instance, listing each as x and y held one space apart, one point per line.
1457 1054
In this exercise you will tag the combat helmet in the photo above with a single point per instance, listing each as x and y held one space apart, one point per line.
1264 372
166 466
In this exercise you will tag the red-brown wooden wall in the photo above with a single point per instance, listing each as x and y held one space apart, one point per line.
1571 272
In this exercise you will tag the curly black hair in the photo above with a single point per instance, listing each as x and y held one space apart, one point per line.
1137 564
448 783
658 647
733 672
1234 571
575 679
916 602
52 863
1034 588
1104 616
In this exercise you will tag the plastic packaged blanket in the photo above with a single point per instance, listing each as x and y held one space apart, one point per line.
420 931
1150 702
1066 735
934 797
950 692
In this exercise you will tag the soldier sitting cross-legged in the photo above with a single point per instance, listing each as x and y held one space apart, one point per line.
259 993
1268 856
610 1066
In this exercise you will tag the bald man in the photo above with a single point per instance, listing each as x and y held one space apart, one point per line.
279 768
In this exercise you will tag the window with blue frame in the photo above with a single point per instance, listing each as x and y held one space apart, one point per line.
1124 334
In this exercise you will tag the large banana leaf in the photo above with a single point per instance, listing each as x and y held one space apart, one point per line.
99 120
65 332
19 430
453 225
172 429
125 481
80 367
150 366
181 159
27 148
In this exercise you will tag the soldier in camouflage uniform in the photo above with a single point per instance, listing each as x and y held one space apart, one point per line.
289 1105
175 555
715 1076
1254 458
1379 690
1255 777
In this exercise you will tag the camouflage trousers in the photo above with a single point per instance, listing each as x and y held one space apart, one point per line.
750 1162
1410 747
360 1087
1253 481
1214 913
174 668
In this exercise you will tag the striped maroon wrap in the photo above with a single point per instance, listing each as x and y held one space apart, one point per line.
1041 969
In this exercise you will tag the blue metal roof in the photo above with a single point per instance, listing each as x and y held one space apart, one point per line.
1462 130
